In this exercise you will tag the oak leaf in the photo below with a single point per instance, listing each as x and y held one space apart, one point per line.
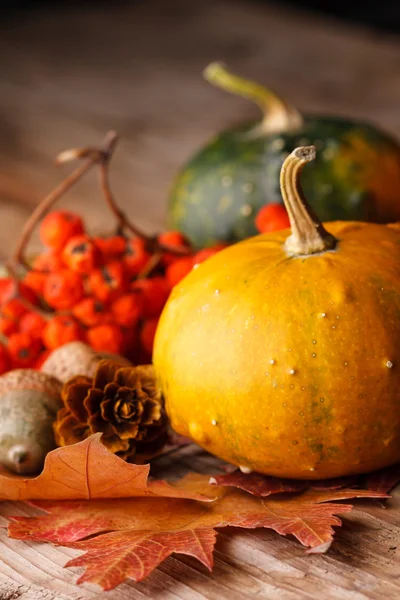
88 470
131 537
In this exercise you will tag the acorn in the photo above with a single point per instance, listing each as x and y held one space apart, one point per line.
29 401
77 358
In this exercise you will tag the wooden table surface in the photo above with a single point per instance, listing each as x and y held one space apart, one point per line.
66 77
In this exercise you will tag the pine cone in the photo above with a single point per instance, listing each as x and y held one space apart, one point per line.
123 403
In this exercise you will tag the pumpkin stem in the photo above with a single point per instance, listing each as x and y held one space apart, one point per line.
279 116
308 234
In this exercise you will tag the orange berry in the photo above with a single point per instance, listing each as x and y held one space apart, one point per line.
80 254
43 356
63 289
5 363
147 334
127 310
61 330
106 338
23 349
35 280
48 261
205 253
8 326
58 227
136 256
175 239
108 282
111 247
178 270
32 323
153 294
91 311
5 284
272 217
11 305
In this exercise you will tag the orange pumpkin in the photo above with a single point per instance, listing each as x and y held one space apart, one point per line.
280 353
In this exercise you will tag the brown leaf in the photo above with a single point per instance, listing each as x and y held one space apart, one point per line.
383 480
88 470
257 484
265 485
130 537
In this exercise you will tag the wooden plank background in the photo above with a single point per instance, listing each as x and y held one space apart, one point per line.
67 75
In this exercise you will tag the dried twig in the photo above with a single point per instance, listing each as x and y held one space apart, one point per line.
124 223
93 156
151 265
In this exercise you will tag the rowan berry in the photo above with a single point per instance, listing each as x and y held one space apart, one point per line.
5 362
131 346
127 309
205 253
178 270
108 282
80 254
60 330
48 261
5 283
147 334
35 280
43 356
153 294
12 294
33 324
112 247
8 325
91 311
136 256
272 217
106 338
63 289
175 239
58 227
23 349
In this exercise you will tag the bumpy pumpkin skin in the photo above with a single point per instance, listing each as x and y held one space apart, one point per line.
356 176
289 366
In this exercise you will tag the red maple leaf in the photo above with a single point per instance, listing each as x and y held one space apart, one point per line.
131 536
383 480
265 485
257 484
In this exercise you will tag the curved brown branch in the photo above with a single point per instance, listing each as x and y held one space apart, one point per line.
93 156
124 223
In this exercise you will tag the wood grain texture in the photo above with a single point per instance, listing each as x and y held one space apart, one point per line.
66 77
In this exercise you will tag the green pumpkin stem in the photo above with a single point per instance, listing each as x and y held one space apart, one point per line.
309 236
279 116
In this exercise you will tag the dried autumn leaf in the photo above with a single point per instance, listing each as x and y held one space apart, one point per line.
88 470
130 537
257 484
383 480
265 485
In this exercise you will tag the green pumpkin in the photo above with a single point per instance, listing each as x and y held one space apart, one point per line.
218 193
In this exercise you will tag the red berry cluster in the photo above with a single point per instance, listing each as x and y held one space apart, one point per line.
107 291
90 288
